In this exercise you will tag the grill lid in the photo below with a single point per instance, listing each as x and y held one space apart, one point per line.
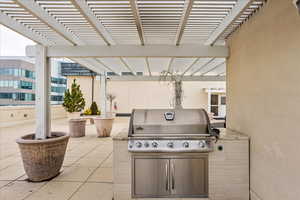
169 122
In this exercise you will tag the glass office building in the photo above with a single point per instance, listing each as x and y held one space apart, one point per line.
17 83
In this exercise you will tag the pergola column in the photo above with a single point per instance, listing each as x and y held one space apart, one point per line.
103 85
42 91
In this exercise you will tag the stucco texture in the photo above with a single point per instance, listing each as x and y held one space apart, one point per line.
263 98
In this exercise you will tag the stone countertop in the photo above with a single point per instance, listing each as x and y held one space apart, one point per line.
225 134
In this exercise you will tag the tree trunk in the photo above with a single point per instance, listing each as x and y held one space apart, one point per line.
178 94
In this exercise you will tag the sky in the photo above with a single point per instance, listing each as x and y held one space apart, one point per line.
12 43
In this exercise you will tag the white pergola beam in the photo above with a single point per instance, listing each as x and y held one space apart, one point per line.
103 93
202 66
169 67
236 11
42 91
190 67
86 63
106 66
181 51
138 21
127 65
157 78
188 4
148 66
84 9
33 8
215 67
19 28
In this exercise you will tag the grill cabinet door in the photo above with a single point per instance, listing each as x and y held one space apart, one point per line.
188 177
151 177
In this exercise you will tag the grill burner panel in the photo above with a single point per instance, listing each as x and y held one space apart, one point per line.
170 145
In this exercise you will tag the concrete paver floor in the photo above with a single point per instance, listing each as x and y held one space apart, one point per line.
86 172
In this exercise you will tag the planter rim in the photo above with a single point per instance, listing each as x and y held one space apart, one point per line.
62 136
79 120
103 118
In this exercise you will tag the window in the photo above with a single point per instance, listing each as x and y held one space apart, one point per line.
127 73
27 85
56 98
18 96
62 81
218 105
58 89
111 74
5 95
17 72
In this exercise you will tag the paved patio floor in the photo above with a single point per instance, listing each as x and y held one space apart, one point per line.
86 173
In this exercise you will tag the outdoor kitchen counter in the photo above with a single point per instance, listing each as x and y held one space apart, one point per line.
228 171
225 134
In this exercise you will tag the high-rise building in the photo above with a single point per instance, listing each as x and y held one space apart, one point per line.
17 82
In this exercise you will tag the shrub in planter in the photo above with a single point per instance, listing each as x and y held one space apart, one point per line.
73 99
94 109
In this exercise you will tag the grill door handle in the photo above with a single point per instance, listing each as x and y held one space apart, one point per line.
172 175
167 176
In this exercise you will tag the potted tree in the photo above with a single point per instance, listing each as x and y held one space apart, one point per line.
73 101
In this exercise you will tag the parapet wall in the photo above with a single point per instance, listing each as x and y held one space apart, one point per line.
12 115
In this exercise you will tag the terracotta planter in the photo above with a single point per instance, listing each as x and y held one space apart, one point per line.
77 127
103 126
42 159
74 115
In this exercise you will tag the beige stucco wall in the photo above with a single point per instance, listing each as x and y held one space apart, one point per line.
146 94
13 115
263 98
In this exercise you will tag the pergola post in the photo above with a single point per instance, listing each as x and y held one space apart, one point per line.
103 85
42 91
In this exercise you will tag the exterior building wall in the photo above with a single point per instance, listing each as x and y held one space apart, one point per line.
16 73
145 94
15 64
263 97
13 115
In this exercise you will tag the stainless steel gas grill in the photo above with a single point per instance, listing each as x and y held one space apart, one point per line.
170 152
161 130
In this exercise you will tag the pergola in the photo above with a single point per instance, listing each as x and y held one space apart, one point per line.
186 36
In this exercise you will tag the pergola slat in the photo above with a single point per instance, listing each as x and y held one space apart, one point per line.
91 18
37 11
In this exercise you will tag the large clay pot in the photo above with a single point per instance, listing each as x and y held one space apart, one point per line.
77 127
103 126
42 159
74 115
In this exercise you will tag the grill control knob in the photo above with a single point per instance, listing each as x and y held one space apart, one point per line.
202 144
170 144
138 144
154 144
146 144
185 144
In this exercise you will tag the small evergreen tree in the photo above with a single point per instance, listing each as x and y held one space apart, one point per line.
73 100
94 108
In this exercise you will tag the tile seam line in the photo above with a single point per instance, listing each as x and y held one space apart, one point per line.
85 181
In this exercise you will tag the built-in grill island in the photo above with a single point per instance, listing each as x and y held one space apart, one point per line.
175 153
152 134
